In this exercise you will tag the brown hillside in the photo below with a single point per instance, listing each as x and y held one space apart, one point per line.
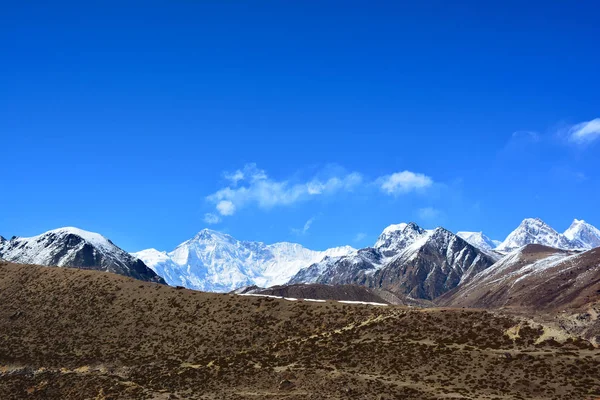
75 334
536 278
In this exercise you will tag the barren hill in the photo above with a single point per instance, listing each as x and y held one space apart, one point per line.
77 334
353 293
537 278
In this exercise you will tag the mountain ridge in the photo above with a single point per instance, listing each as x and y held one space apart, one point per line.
536 231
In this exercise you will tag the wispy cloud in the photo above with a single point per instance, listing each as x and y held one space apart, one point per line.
211 218
252 186
249 173
403 182
585 132
428 213
521 141
305 228
359 237
568 174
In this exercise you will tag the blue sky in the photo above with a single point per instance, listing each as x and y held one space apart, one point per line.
316 122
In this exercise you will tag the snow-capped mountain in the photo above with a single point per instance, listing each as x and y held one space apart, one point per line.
479 240
584 234
397 237
406 260
73 247
536 231
214 261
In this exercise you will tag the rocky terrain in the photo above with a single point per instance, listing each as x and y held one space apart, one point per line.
76 334
73 247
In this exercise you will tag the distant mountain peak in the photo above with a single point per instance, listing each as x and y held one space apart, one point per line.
395 227
479 240
536 231
585 235
216 261
92 238
74 247
397 237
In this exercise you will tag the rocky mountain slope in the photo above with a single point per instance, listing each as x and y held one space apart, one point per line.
73 247
533 277
406 260
217 262
76 334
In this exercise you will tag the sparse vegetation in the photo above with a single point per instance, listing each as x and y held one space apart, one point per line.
86 335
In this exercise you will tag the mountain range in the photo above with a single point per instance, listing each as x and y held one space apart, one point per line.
406 260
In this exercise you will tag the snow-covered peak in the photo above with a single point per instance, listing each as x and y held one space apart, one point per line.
585 234
215 261
479 240
93 238
40 243
210 236
534 231
339 251
153 255
74 247
393 240
395 228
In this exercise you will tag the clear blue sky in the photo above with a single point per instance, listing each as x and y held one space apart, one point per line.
132 118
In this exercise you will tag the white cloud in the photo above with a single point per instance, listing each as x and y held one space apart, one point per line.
226 207
211 218
252 186
428 213
305 228
404 182
250 173
585 132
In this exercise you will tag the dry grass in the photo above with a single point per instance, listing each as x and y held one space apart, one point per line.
72 334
